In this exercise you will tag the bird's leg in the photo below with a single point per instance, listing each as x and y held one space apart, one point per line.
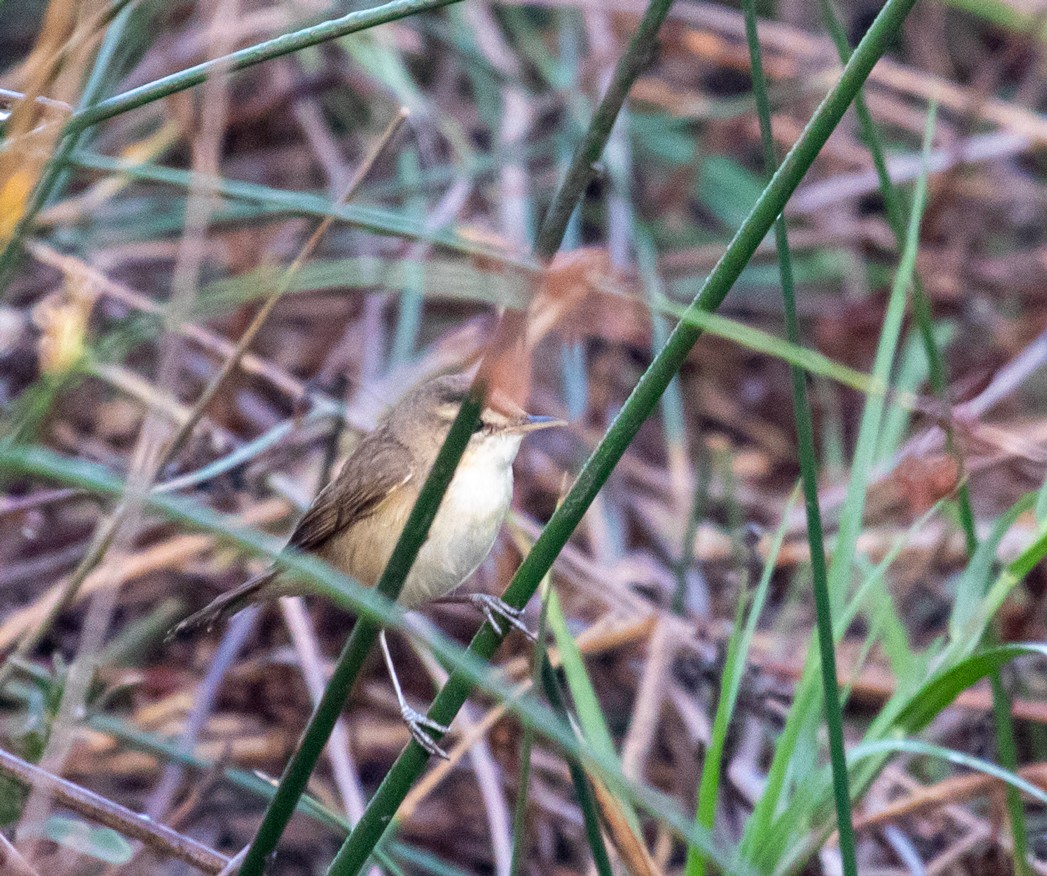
495 610
416 722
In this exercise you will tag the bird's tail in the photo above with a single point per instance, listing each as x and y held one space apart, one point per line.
226 604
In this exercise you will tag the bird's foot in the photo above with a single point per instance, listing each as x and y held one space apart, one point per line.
496 610
418 724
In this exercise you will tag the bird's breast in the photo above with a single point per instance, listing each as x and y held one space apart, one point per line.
478 496
463 531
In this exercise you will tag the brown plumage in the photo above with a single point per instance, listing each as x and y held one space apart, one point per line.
355 521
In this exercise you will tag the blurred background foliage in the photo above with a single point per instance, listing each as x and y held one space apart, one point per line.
138 253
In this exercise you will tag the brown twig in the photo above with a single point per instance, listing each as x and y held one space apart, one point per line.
156 836
168 554
12 861
955 789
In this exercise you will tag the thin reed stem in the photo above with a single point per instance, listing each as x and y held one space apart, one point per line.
809 475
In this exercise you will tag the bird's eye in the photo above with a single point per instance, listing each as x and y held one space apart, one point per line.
479 427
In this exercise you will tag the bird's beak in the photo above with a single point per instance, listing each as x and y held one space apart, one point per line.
532 423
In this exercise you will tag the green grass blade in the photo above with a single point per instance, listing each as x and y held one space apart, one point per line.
1007 751
672 399
283 202
869 430
809 477
699 502
920 304
839 573
285 44
759 341
959 758
941 690
409 304
926 702
586 703
1041 503
968 610
1014 572
935 678
906 716
910 375
438 277
583 790
733 671
527 743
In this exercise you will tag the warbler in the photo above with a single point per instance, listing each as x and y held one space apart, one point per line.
356 520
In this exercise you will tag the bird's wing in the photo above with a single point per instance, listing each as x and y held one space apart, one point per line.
367 479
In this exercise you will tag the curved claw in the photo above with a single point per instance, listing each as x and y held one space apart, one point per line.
417 723
494 609
489 616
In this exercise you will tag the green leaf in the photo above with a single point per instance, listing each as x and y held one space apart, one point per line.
973 584
101 843
926 749
938 693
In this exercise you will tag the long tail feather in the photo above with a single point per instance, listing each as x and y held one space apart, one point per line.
228 603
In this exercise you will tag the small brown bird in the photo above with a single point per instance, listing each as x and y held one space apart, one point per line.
356 520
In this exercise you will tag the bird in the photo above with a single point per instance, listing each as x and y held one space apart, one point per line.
355 521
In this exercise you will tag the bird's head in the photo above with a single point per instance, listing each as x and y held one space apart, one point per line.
423 417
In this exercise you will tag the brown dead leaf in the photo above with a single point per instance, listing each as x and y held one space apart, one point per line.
718 51
54 69
922 481
582 295
956 789
634 854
